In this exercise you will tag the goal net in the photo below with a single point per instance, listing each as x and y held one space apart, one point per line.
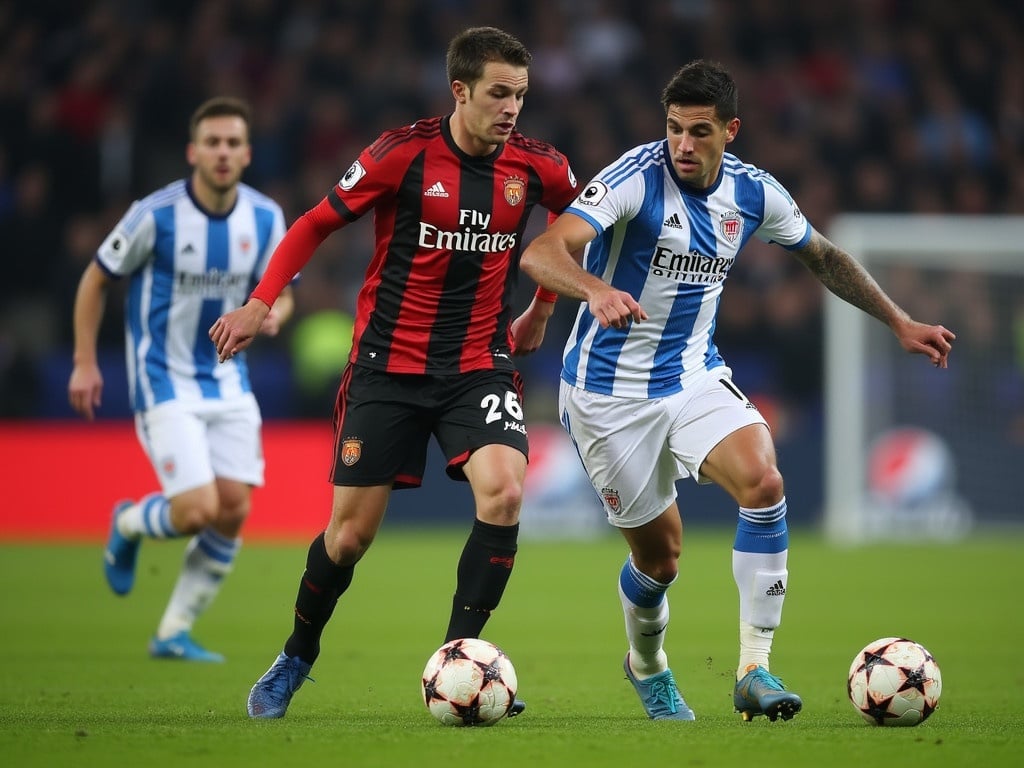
911 450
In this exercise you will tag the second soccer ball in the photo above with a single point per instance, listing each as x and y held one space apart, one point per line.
894 681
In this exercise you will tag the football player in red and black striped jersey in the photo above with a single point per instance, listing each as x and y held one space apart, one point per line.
434 335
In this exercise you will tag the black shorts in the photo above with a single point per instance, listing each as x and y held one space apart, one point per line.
383 422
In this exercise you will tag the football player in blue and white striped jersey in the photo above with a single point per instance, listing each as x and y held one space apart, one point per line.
645 394
190 252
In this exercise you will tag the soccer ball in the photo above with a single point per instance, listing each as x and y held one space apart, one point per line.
469 682
894 681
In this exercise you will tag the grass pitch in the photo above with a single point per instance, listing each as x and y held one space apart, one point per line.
78 688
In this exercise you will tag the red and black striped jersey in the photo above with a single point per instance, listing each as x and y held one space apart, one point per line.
448 230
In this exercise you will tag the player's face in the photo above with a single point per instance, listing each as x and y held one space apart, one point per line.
486 113
696 143
220 152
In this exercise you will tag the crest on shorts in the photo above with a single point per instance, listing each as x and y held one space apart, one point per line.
611 500
351 451
515 190
167 466
731 224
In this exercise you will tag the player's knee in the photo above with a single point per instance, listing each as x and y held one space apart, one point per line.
501 504
763 490
234 503
346 545
662 566
665 571
231 518
192 516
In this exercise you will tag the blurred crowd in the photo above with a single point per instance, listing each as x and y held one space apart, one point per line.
854 105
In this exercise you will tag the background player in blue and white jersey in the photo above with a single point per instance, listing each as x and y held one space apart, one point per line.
645 394
191 251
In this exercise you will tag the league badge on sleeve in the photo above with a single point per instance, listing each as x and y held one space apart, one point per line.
352 176
593 194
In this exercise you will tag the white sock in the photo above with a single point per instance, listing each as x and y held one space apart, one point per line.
755 647
209 557
150 516
759 559
645 628
646 623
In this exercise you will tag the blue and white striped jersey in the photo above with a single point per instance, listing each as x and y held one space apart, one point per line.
186 268
671 247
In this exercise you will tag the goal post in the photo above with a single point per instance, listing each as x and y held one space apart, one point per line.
960 265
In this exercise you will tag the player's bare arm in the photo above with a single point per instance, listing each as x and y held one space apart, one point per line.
549 261
233 332
846 278
85 387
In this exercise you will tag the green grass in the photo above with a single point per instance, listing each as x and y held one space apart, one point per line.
76 686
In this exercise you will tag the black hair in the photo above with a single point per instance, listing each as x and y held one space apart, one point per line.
706 84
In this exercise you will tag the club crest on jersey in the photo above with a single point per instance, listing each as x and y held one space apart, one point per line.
515 190
354 173
731 223
351 451
611 500
245 244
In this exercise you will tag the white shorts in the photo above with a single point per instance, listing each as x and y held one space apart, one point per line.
191 443
634 449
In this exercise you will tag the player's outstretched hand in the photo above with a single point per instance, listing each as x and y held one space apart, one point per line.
933 341
233 332
615 308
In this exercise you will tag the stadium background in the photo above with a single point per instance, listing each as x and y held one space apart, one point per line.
856 106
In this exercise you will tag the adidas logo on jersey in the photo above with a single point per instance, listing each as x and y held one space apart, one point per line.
673 221
437 190
776 590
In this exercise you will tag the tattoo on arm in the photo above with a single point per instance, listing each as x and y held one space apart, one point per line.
846 278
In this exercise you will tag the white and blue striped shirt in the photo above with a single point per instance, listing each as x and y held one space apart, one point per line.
671 247
186 268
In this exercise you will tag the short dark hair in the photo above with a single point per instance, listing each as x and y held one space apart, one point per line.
219 106
472 48
706 84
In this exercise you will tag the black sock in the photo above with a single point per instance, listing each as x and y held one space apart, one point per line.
322 584
483 572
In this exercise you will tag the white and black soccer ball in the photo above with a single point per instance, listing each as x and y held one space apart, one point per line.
469 682
894 681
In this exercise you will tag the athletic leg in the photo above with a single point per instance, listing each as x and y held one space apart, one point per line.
330 563
495 474
744 465
644 580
